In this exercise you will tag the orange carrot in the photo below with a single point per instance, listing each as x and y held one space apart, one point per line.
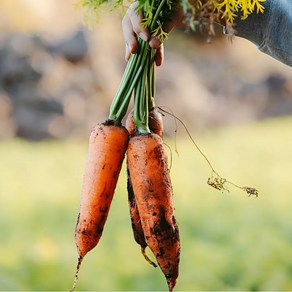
149 172
107 147
156 126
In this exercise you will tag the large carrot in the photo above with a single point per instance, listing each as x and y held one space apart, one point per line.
147 163
107 147
156 126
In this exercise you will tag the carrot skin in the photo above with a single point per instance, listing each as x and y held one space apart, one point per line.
156 126
107 147
147 163
154 120
134 214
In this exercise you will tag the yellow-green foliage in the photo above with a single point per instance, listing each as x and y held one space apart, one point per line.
230 8
195 11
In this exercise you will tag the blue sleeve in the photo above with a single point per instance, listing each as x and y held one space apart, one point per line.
270 31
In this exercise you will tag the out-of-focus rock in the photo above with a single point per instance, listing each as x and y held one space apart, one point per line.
43 94
74 48
59 89
15 66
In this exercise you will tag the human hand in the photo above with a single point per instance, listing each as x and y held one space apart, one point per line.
131 25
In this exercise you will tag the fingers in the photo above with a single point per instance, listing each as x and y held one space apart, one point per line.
127 53
131 25
154 42
129 35
136 21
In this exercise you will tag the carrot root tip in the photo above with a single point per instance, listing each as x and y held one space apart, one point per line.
76 273
143 250
171 285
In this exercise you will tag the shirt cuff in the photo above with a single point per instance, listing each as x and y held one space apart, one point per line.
254 26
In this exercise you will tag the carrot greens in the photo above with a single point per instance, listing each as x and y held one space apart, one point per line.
139 74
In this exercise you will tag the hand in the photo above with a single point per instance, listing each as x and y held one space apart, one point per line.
131 25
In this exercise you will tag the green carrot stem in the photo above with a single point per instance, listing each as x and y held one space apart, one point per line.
141 102
133 72
156 16
125 102
124 85
151 80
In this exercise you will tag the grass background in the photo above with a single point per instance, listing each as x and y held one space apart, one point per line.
229 241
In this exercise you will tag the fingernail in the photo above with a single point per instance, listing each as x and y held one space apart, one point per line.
158 61
127 53
143 36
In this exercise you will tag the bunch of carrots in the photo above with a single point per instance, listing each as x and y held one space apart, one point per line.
150 193
149 186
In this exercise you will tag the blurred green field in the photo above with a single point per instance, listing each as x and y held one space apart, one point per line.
229 241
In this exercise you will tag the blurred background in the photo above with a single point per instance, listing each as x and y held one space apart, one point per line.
58 78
